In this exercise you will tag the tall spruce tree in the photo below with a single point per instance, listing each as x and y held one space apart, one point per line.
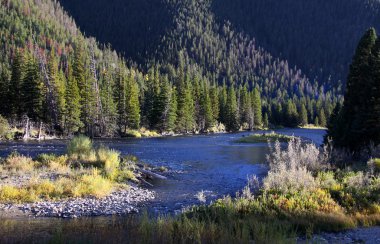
232 113
133 105
185 111
303 116
72 109
4 91
372 115
33 90
355 98
17 76
257 108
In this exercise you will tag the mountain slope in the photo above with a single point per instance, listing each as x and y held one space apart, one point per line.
319 36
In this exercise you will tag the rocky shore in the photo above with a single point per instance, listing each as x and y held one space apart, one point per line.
117 203
360 235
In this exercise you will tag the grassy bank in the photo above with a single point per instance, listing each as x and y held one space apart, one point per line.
264 138
84 171
304 193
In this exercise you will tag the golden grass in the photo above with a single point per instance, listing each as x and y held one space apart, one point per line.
18 163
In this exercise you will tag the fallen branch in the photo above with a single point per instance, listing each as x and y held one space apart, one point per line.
152 174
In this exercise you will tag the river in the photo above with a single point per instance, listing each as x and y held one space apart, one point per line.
212 163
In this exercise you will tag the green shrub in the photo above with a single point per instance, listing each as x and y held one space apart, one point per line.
110 160
4 127
93 185
18 163
133 133
80 147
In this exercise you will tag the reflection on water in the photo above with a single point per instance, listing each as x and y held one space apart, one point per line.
205 162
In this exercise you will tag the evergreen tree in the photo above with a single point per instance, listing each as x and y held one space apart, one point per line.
355 99
57 78
121 99
266 121
334 126
257 108
290 114
322 118
303 115
4 91
232 115
185 112
172 114
246 111
206 114
33 90
17 77
214 97
223 105
133 106
72 110
372 116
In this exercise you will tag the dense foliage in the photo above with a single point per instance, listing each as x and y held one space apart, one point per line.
357 123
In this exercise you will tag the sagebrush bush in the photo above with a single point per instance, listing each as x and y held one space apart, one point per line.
93 185
110 161
4 127
291 169
79 147
18 163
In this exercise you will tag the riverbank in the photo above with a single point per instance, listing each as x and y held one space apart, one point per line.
119 203
86 181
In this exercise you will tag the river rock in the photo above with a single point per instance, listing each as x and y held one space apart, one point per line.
117 203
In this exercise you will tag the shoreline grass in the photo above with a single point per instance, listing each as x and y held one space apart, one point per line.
264 138
83 172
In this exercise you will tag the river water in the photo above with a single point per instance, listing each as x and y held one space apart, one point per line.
212 163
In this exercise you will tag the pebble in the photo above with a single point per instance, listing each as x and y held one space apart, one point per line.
117 203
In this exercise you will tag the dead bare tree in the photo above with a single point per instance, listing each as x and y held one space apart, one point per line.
51 98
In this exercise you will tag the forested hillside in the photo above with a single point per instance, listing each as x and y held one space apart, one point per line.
319 36
195 39
197 74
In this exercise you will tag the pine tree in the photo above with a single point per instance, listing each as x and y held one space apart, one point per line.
223 105
4 91
214 97
372 116
334 126
303 116
322 118
206 114
185 112
17 76
168 106
246 109
172 114
355 99
121 99
232 119
266 121
57 78
133 105
257 108
72 110
290 114
33 90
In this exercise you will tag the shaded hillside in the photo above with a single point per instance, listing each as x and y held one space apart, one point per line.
133 27
319 36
